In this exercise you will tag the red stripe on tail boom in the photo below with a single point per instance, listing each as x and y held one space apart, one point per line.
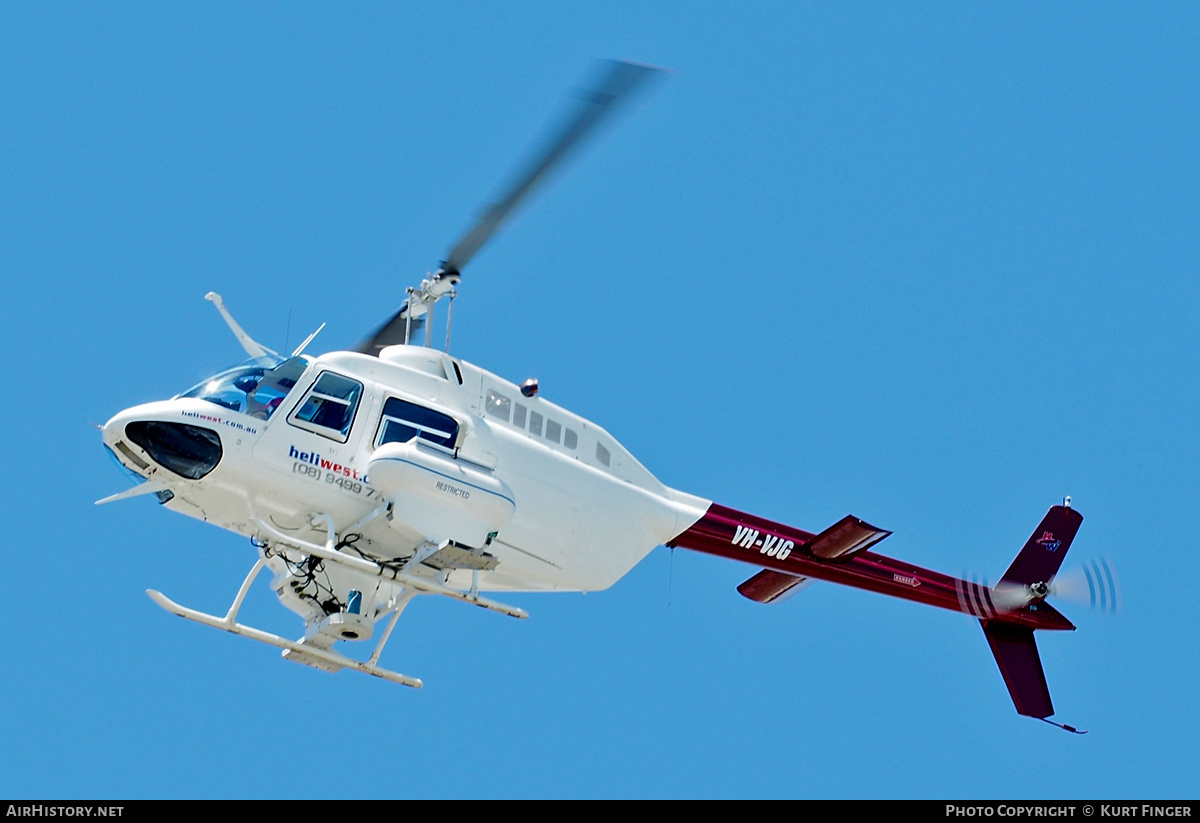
839 554
726 532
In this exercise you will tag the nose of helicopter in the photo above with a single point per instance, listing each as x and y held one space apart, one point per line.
142 442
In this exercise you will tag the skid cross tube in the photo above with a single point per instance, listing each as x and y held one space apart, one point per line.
422 584
229 623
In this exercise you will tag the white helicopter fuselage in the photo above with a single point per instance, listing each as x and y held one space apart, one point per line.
365 478
554 500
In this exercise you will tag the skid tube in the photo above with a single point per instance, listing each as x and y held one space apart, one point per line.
229 623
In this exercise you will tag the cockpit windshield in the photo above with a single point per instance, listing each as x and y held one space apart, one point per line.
256 387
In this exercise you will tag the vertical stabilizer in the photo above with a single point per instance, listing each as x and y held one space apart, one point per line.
1045 549
1017 655
1029 577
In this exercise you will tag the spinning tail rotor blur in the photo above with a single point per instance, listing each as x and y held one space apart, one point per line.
1092 584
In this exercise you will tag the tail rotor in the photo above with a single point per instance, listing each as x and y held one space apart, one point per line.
1093 584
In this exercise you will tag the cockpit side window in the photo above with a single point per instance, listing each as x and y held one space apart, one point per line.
402 421
328 408
275 385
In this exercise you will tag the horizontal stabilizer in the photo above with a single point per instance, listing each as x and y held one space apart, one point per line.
1017 655
844 539
773 587
1045 549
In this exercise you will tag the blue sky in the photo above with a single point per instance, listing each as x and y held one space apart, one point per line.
932 264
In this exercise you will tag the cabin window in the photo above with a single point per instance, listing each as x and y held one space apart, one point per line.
328 408
498 405
519 416
535 423
553 431
402 421
602 454
570 438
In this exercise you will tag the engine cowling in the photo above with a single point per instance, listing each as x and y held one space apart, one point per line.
442 497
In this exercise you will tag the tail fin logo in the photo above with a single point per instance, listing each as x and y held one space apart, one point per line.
1048 542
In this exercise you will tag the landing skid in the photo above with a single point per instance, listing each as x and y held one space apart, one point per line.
299 651
312 651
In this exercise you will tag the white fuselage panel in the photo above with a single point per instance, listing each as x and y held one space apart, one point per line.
583 510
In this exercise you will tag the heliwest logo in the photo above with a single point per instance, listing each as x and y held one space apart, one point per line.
768 544
315 459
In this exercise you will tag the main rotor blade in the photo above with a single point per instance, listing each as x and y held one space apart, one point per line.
395 330
596 103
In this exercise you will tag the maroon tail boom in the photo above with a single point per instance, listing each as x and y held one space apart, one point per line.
791 557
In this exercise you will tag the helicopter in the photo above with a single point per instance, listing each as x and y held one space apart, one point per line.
367 477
